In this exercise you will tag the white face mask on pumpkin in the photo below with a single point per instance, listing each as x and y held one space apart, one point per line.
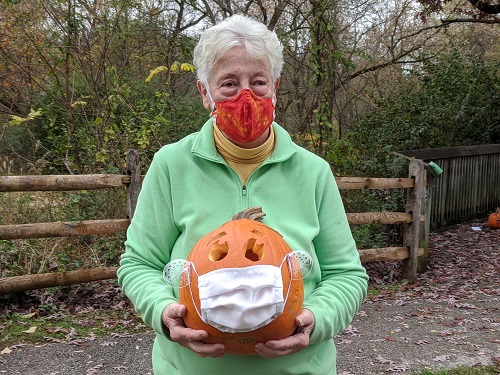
239 299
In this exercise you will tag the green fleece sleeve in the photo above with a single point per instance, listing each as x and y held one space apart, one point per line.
150 238
343 285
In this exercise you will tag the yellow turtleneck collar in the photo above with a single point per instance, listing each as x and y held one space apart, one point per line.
244 161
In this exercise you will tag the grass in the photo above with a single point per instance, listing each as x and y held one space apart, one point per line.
391 289
69 314
47 325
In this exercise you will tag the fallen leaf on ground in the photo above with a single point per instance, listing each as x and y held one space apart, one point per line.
384 361
398 368
6 351
442 358
94 370
30 330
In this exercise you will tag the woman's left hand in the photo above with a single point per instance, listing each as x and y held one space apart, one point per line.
292 344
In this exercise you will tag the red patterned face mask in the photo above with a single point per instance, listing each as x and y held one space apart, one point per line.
245 117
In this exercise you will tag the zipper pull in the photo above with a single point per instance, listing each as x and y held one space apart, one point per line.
244 190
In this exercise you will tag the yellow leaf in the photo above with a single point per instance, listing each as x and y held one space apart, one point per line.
155 71
27 316
16 120
188 67
77 103
175 66
30 330
34 114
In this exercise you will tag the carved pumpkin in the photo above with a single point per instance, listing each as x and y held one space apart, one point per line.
239 243
494 219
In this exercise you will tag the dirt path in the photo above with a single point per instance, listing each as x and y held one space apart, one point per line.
407 334
451 318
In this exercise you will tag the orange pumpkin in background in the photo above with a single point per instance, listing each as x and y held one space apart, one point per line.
240 243
494 219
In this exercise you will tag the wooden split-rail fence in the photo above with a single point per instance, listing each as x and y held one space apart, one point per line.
413 249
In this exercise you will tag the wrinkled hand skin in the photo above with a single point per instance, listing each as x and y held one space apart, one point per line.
192 338
187 337
292 344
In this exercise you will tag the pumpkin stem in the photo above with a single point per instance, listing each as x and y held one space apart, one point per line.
252 213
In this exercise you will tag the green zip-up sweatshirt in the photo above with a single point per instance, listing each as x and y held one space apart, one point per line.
189 190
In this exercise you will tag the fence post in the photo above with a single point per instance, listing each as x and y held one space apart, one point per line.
133 189
427 196
411 237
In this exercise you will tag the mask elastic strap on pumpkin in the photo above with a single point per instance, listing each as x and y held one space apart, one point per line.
288 260
173 273
177 273
305 263
191 266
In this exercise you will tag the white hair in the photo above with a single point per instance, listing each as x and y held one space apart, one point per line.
237 30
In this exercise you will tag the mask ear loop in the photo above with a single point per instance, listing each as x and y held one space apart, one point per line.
305 262
174 273
177 273
211 100
288 260
191 290
273 101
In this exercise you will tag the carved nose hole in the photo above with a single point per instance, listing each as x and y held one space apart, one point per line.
218 251
254 251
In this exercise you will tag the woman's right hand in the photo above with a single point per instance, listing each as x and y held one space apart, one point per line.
188 337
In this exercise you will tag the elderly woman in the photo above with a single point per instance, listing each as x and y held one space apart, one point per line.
241 158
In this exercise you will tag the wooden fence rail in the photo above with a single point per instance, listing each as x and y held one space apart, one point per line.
63 229
414 241
62 183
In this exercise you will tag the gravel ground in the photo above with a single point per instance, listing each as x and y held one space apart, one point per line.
406 335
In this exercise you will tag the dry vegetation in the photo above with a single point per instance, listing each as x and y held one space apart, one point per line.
31 256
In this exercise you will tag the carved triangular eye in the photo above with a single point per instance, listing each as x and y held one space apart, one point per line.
218 251
254 251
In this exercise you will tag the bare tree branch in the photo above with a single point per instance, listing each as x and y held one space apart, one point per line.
278 10
471 20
